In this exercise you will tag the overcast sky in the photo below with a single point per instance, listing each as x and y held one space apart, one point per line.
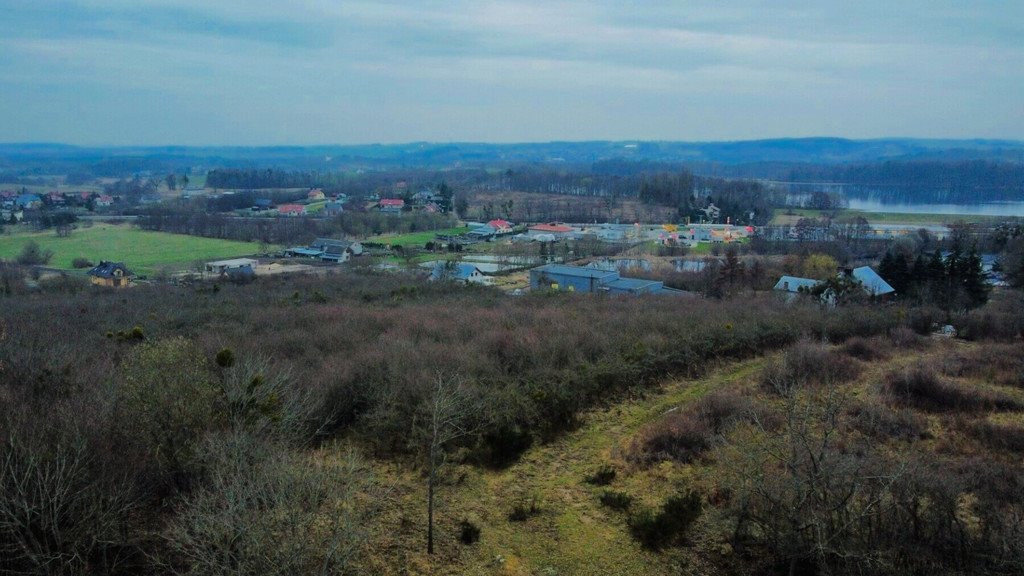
255 72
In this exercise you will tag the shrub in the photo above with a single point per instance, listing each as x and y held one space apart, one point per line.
655 530
684 435
602 477
225 358
905 338
615 500
266 510
864 349
81 262
882 423
469 533
33 255
1003 437
920 387
523 511
807 364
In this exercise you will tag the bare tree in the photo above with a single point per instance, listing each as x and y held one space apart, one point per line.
449 420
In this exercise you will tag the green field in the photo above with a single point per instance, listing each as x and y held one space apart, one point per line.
783 218
142 251
416 238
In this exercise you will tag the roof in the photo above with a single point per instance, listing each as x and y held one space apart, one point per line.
872 282
578 271
391 202
106 269
794 283
232 263
633 284
462 271
486 230
305 251
291 208
499 224
551 227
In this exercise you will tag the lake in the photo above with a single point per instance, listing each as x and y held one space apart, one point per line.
987 209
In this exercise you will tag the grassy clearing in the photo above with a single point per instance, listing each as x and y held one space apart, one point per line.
416 238
573 533
143 251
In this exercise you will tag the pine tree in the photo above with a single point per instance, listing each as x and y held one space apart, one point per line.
973 279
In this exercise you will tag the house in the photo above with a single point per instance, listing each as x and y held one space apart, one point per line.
226 266
291 210
556 229
322 244
500 226
391 204
482 232
333 208
28 201
56 198
113 274
871 282
458 271
8 215
712 212
795 285
315 195
303 252
336 250
104 201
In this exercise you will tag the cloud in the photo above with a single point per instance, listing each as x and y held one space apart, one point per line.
252 72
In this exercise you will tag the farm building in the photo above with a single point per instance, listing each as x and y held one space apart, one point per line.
556 229
315 195
113 274
590 280
354 248
225 266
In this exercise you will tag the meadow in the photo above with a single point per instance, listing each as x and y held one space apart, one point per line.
144 252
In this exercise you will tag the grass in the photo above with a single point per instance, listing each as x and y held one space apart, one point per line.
142 251
574 533
416 238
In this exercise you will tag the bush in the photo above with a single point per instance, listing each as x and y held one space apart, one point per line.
33 255
655 530
469 533
864 349
1002 437
920 387
807 364
882 423
619 501
81 262
684 435
602 477
523 511
905 338
264 509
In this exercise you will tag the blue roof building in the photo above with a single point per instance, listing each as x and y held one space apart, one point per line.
795 284
872 283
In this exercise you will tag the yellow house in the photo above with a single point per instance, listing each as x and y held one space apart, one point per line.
113 274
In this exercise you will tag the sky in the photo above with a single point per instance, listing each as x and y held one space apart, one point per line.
295 72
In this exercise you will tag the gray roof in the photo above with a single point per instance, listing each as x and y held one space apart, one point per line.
577 271
794 284
633 284
872 282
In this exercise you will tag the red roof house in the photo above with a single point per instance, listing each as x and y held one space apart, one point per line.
551 228
501 226
291 209
391 204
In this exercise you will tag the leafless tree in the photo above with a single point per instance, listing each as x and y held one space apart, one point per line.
449 420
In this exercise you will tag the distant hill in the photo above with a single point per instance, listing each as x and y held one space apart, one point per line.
754 157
